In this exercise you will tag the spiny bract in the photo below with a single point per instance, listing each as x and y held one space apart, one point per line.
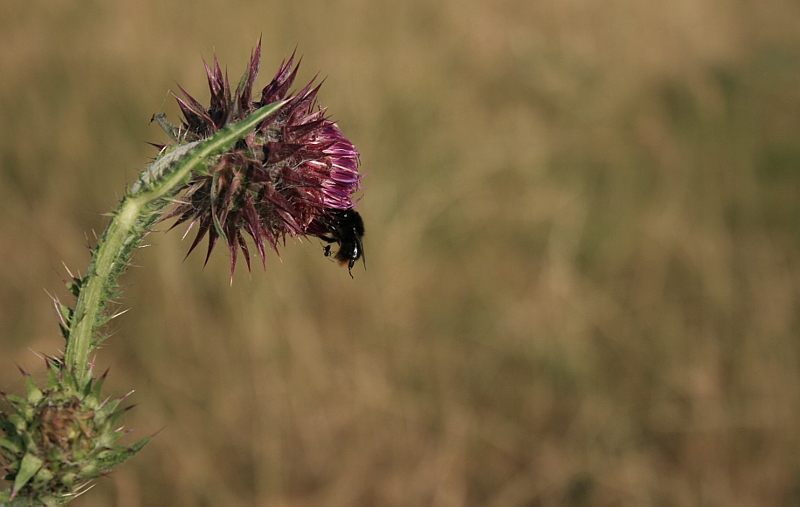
57 440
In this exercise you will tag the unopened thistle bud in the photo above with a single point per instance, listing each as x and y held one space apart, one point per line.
58 439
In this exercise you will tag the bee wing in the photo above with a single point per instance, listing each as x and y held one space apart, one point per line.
361 251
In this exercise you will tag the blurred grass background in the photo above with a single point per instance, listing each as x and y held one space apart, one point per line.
582 249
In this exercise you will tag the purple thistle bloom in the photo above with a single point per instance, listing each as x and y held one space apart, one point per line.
292 175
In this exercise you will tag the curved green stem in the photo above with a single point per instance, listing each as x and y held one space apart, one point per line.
141 207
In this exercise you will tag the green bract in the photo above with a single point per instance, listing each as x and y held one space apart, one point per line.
60 438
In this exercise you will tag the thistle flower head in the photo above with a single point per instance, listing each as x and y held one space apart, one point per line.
288 177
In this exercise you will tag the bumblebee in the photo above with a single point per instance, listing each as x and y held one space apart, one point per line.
346 228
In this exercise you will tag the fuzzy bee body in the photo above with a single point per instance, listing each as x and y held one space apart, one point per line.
345 228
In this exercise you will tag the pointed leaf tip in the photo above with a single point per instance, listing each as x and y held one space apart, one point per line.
27 469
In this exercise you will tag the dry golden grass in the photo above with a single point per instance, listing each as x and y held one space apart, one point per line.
583 223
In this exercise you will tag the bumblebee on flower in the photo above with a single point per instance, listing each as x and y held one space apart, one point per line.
294 174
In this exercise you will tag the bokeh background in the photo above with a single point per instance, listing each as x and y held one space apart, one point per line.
582 278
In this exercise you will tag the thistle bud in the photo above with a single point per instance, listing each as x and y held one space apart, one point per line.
57 440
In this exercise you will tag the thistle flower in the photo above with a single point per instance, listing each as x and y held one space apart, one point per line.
289 176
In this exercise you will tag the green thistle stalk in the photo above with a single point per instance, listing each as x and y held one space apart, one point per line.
138 211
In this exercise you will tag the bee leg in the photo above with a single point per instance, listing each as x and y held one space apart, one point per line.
327 248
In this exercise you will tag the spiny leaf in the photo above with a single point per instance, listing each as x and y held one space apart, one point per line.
87 387
11 446
107 410
19 422
34 393
15 400
123 453
7 426
29 466
98 384
42 477
52 377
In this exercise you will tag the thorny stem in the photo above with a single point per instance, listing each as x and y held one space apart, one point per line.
141 207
